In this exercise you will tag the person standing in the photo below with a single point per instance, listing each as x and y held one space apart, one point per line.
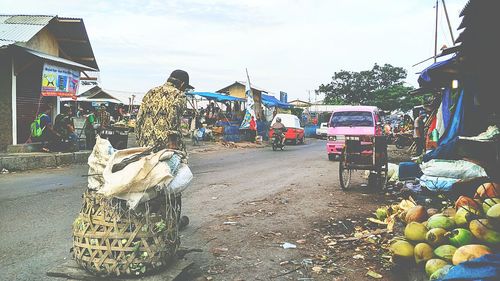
418 133
159 120
90 135
103 117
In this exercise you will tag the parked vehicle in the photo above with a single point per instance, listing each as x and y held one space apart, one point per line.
322 131
277 139
294 132
352 121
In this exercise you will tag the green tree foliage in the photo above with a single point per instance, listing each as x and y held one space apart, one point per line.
382 86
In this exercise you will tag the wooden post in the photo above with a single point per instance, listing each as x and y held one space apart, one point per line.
449 25
436 32
14 103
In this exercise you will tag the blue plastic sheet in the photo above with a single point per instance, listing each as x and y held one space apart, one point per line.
485 268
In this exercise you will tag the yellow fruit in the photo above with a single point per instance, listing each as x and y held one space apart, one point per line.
422 252
415 231
488 190
436 236
445 252
402 249
440 221
484 231
434 265
469 252
488 203
465 214
494 212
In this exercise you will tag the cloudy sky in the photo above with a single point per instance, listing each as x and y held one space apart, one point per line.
287 45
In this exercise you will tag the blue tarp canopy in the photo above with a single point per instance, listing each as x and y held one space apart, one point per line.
215 96
271 101
438 73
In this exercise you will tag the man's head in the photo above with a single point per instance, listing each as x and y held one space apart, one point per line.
422 113
102 106
180 79
66 109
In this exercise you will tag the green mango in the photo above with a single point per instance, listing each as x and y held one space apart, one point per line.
460 237
440 221
445 252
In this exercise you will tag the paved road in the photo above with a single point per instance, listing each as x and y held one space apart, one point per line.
37 208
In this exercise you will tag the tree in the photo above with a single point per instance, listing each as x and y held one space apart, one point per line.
382 86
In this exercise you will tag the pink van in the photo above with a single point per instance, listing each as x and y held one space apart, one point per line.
352 121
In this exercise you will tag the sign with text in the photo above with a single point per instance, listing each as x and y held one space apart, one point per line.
59 81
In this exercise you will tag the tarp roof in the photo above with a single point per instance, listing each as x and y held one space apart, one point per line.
271 101
437 73
215 96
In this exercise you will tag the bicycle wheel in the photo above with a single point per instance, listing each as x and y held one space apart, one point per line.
344 172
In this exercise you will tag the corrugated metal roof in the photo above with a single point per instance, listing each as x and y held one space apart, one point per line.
29 19
18 32
57 59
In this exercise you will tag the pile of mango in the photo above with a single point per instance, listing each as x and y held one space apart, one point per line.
442 239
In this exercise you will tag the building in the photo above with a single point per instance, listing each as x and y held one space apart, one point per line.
35 50
237 89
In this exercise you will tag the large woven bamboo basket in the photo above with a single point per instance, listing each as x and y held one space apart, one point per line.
109 240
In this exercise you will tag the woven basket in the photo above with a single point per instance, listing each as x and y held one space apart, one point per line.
109 240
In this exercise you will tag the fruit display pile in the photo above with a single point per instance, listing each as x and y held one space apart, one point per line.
440 239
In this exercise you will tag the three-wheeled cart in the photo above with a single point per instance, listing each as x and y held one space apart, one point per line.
364 153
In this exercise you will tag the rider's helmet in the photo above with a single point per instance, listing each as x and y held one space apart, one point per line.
278 119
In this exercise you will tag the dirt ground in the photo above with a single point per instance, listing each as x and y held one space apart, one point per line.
293 197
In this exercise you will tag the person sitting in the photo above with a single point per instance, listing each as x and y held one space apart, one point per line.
280 127
49 137
65 129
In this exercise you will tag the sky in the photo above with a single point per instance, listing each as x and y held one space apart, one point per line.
286 45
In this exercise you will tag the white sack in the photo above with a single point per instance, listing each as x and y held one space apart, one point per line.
138 176
101 153
454 169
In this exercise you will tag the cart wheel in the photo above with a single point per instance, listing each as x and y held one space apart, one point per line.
344 172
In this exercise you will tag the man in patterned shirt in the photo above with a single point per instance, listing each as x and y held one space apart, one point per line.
159 119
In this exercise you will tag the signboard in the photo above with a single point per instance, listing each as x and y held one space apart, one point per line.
283 97
59 81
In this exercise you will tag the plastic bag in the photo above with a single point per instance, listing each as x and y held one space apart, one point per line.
437 183
454 169
98 159
181 180
392 172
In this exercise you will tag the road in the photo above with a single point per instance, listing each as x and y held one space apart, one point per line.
265 192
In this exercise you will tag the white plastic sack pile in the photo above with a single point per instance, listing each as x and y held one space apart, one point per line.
452 169
142 180
101 153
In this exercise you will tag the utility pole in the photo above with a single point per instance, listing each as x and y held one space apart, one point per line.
436 32
449 25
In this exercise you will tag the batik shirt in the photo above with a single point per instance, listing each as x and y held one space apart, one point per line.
159 118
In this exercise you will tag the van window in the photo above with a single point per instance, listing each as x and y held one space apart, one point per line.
352 119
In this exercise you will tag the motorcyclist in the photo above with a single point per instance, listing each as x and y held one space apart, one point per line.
279 126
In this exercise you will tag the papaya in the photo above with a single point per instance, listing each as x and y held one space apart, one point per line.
417 214
436 236
415 231
488 190
488 203
434 265
465 214
466 201
484 231
402 249
469 252
460 237
440 273
440 221
422 252
445 252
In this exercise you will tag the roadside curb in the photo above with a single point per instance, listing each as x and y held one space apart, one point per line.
30 161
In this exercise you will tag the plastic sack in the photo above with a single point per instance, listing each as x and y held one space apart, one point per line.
454 169
441 184
98 159
181 180
392 172
139 176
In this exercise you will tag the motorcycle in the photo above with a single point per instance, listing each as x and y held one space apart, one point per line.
277 140
402 140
